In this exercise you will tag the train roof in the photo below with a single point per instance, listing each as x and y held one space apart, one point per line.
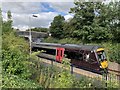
67 46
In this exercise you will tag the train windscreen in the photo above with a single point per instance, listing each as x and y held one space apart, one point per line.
101 55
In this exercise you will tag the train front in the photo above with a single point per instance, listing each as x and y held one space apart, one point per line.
102 58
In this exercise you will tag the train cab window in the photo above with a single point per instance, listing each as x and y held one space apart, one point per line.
78 56
101 55
75 55
87 57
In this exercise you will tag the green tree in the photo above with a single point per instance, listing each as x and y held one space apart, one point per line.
0 18
69 28
114 15
0 28
91 21
83 18
9 15
40 29
7 25
56 27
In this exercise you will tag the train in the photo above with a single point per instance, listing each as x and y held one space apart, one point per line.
89 57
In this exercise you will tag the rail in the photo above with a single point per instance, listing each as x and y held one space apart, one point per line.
114 71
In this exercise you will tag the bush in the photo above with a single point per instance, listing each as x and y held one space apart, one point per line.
62 41
51 40
15 56
113 51
13 81
54 77
70 41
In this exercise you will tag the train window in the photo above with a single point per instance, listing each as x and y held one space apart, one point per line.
75 55
91 60
61 53
57 52
90 57
101 55
78 56
87 57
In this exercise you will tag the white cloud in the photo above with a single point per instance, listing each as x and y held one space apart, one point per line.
37 0
4 15
21 7
62 6
22 13
67 17
24 21
22 28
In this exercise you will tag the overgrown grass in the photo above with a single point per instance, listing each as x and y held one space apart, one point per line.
13 81
62 41
53 77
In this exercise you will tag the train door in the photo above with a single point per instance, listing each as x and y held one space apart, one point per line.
59 54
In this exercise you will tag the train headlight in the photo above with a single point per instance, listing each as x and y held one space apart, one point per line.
100 66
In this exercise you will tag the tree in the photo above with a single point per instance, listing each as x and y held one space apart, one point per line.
7 25
0 18
83 19
56 27
114 15
69 28
0 28
14 51
9 15
91 21
40 29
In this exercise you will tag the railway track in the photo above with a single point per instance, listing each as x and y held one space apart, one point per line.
114 71
114 68
50 59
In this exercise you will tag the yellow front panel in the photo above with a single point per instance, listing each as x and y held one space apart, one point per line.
100 49
104 64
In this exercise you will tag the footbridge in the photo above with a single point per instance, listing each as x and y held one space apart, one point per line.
36 36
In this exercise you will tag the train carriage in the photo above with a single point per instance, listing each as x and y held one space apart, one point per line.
88 57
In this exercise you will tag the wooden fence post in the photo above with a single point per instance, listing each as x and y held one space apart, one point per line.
71 69
52 63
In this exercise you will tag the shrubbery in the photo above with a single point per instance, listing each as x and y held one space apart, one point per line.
15 59
15 55
55 77
62 41
15 63
113 51
13 81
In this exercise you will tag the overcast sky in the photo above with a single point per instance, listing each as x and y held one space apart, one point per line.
46 10
22 13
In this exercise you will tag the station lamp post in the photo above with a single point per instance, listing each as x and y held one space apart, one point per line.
30 35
